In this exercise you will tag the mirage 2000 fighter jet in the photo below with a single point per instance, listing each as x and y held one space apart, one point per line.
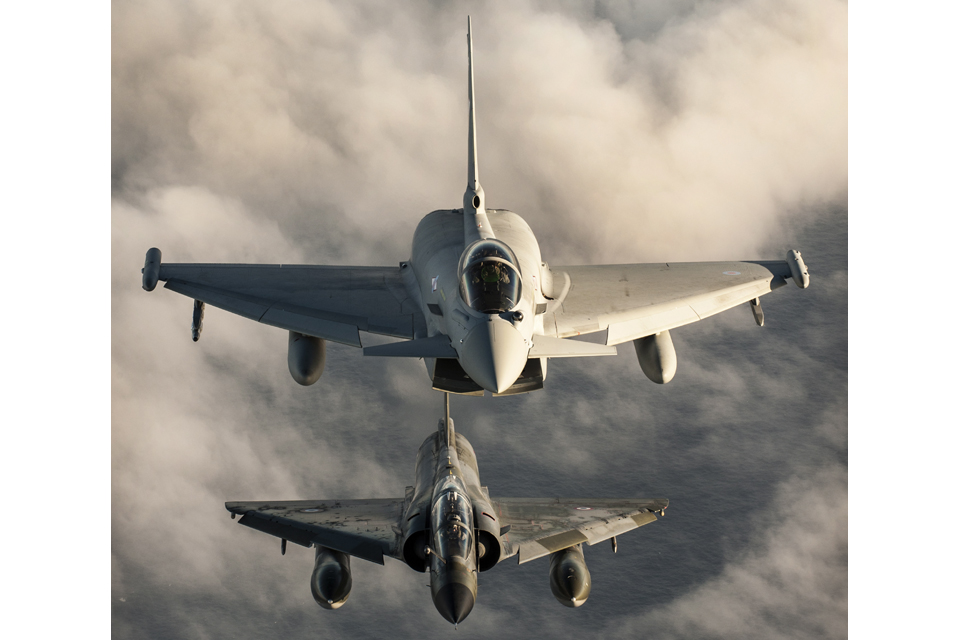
475 300
448 525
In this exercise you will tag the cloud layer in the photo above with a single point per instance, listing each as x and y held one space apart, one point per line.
321 133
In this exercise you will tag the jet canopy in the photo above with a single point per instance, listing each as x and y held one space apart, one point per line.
453 525
489 277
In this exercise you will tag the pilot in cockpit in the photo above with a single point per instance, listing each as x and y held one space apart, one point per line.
489 280
456 533
492 272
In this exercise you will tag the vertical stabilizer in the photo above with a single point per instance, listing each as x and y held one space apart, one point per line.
475 224
473 177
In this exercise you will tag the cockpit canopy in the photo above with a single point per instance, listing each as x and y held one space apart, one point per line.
453 525
489 277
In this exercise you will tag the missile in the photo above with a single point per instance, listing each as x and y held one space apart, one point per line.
757 311
197 325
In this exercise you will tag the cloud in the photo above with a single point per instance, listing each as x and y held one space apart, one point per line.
790 583
322 132
681 142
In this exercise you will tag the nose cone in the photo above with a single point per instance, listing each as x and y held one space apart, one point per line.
454 601
331 582
572 589
494 354
569 577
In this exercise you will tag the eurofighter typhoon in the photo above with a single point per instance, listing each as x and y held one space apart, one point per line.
448 525
475 300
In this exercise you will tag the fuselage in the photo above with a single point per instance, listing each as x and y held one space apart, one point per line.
477 271
491 340
453 529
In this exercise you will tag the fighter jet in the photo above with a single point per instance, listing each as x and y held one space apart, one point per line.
448 525
475 300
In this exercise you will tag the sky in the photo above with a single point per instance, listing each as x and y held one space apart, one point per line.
312 132
230 128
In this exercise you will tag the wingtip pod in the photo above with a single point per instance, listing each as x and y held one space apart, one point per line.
151 269
798 269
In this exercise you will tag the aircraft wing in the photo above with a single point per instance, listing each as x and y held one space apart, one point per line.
367 529
540 526
631 301
333 303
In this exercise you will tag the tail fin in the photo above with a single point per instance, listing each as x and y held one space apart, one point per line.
473 198
473 178
475 224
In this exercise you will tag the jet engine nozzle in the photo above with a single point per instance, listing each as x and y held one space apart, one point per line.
331 580
657 357
494 354
489 544
306 357
415 550
569 576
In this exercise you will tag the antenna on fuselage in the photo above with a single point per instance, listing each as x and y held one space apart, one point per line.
474 207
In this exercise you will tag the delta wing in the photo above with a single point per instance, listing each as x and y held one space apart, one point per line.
332 303
367 529
631 301
538 527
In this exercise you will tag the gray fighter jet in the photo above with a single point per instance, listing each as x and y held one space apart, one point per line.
448 525
475 300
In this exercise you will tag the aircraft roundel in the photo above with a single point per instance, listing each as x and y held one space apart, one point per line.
731 273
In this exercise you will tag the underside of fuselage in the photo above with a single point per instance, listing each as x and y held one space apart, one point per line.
447 375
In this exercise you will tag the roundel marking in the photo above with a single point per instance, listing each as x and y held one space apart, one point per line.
731 273
584 508
309 510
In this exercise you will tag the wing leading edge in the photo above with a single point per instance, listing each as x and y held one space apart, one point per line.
333 303
540 527
631 301
367 529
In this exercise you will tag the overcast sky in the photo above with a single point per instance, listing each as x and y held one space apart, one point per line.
748 441
321 133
